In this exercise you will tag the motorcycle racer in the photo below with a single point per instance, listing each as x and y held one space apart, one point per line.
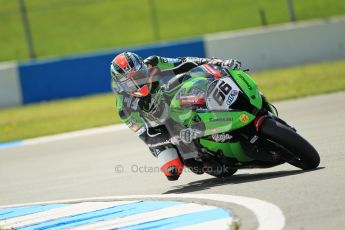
136 84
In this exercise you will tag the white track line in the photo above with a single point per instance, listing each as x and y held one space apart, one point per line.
147 216
75 134
64 136
56 213
215 224
269 216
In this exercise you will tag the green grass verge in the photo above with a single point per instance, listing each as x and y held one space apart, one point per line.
56 117
92 111
61 27
302 81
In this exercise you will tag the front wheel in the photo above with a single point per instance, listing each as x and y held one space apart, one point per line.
295 149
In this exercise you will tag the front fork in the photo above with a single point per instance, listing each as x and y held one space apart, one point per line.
268 110
253 143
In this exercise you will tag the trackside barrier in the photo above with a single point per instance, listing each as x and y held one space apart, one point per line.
84 75
259 48
281 46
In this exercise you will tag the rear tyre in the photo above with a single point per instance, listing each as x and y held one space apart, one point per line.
295 149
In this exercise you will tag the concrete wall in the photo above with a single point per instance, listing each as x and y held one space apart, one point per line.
281 46
260 48
10 91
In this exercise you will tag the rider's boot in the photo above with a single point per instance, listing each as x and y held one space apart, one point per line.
170 163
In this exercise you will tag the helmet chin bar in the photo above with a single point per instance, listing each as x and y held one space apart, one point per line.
142 92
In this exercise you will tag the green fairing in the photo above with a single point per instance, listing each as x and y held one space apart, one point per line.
216 122
182 116
232 150
248 86
220 122
226 121
185 115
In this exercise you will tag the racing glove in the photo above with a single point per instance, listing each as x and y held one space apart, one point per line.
232 63
189 134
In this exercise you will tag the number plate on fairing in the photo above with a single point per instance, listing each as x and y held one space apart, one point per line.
221 94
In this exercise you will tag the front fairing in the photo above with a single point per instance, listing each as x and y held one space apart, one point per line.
229 103
247 85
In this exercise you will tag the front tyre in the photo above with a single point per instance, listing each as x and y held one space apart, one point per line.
296 150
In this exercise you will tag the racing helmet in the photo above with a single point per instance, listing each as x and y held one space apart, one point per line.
131 74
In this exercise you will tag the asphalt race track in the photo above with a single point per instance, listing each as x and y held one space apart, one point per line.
116 163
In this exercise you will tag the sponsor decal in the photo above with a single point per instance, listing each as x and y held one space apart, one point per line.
187 135
169 60
201 110
220 119
182 93
244 118
159 144
155 151
254 139
221 94
221 137
135 104
191 100
127 101
214 130
231 97
132 122
131 102
141 131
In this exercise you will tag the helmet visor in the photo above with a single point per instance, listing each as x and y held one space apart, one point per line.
133 81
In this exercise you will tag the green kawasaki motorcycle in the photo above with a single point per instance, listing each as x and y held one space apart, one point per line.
230 122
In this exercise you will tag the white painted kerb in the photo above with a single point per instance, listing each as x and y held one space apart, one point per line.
269 216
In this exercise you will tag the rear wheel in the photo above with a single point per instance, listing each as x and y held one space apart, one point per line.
295 149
